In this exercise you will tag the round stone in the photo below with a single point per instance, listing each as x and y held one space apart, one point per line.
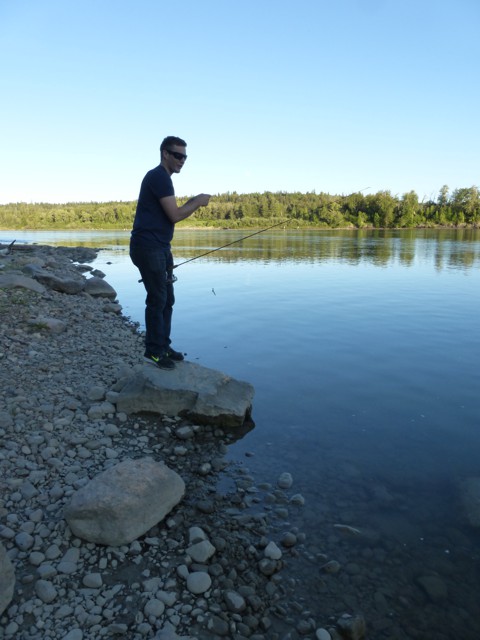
154 608
45 591
24 541
198 582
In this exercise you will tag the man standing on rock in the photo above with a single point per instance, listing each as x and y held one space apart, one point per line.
155 218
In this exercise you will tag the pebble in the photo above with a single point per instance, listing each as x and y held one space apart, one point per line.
93 580
285 480
74 634
234 601
272 551
352 627
154 608
198 582
24 541
45 591
201 551
434 587
332 566
36 558
288 539
59 428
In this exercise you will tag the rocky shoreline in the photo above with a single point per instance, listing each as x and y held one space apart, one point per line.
64 345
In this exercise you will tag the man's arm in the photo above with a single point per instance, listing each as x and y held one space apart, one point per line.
176 213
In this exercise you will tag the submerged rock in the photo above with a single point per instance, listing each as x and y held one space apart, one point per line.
352 627
470 497
434 587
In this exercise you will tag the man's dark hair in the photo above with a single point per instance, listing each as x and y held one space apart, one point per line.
170 141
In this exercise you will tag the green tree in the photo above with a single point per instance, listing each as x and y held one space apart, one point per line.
409 210
466 205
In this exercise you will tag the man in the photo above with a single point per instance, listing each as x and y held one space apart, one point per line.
155 218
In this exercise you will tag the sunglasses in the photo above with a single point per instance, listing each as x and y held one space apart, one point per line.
177 155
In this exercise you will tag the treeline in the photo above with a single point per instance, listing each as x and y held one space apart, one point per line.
233 210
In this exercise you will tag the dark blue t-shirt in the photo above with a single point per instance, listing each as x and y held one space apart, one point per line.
152 226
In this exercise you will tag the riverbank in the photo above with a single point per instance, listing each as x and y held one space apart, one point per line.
288 224
61 355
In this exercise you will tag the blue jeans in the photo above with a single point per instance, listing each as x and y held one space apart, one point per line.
154 264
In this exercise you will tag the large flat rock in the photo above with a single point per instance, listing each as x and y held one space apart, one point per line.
10 280
191 391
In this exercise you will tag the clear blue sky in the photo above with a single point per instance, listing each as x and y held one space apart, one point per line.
312 95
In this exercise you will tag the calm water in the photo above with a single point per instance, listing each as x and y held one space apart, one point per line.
364 351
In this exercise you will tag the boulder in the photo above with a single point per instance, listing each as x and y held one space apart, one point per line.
124 502
51 324
98 288
7 579
197 393
10 280
68 285
76 254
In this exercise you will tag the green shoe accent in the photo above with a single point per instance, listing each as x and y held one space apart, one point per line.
162 362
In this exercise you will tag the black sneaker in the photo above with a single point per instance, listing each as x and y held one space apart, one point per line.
163 362
174 355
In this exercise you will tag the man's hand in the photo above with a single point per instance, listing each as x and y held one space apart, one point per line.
203 199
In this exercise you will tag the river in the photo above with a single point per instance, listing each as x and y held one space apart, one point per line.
364 349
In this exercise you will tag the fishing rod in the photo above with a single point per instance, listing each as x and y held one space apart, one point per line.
230 243
171 278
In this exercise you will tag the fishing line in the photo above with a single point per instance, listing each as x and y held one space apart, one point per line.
171 278
230 243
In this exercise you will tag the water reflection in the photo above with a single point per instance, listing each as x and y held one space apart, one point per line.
380 248
446 247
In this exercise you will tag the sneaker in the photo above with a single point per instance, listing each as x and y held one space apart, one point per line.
163 362
174 355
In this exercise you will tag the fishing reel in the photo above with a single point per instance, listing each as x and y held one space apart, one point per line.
170 278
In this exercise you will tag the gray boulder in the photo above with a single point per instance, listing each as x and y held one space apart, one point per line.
191 391
124 502
98 288
68 285
10 280
77 254
54 325
7 579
